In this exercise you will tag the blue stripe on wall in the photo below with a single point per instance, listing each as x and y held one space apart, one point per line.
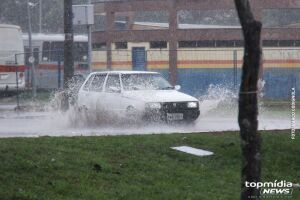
196 81
278 81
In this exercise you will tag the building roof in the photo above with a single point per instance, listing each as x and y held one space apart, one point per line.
186 26
9 26
53 37
182 26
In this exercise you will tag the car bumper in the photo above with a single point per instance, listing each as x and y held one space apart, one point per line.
164 115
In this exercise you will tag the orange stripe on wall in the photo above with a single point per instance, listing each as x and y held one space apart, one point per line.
281 61
12 68
99 63
49 66
188 62
157 62
121 63
210 66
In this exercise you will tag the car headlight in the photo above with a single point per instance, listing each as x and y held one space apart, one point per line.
153 105
192 104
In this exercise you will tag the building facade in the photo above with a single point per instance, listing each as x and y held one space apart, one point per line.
174 36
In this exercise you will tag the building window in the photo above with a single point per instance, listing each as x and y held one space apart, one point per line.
206 43
270 43
46 51
56 50
224 43
80 51
210 43
202 19
187 44
281 43
158 45
281 18
121 45
297 43
100 22
286 43
99 46
239 43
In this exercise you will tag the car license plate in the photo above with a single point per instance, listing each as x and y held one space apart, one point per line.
174 116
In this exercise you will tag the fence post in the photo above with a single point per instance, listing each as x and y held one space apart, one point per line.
17 82
234 69
58 70
146 60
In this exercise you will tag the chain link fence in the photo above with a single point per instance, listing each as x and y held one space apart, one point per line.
197 70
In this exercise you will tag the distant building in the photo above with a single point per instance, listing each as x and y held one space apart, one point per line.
148 34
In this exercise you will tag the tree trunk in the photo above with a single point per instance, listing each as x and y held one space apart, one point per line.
68 45
68 52
248 111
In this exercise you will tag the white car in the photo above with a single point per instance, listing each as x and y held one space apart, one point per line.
136 94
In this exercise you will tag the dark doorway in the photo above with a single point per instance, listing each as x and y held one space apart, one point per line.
139 59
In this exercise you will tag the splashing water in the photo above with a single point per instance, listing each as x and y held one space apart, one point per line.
216 96
218 113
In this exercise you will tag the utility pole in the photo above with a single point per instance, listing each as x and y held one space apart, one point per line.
40 16
31 58
68 45
68 52
89 27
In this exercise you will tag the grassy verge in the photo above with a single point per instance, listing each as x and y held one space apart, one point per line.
137 167
41 95
26 97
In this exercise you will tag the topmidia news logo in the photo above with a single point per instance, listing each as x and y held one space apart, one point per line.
274 189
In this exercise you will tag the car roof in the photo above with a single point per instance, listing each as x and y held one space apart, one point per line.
125 72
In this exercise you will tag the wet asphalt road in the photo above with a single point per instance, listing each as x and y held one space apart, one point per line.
34 124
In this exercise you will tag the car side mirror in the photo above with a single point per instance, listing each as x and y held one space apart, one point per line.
177 87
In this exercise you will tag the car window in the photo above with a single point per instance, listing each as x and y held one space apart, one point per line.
87 84
145 82
113 83
98 82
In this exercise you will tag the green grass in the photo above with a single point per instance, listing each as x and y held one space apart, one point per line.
41 95
137 167
26 97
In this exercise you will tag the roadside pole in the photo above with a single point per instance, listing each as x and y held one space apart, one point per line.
31 59
59 70
90 56
17 82
68 52
40 15
68 45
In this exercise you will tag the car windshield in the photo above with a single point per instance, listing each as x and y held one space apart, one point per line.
145 82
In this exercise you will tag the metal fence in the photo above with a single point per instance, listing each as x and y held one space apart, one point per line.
197 69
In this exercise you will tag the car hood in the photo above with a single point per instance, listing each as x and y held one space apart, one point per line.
158 96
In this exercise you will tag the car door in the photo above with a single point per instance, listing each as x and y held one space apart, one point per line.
96 92
112 94
84 94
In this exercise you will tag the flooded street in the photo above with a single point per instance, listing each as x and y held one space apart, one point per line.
215 116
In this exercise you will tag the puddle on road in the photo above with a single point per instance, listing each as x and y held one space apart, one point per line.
218 113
